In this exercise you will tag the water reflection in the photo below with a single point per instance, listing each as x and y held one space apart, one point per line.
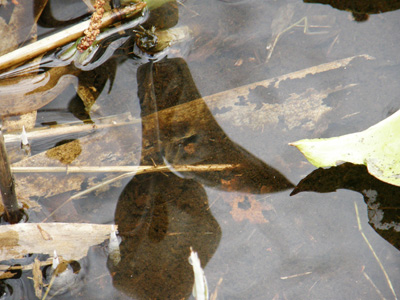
361 9
160 216
47 18
382 199
181 131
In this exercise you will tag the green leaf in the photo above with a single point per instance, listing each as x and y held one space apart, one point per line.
377 147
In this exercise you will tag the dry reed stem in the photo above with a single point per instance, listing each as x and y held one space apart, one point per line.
124 169
214 296
69 128
66 36
374 253
373 284
295 275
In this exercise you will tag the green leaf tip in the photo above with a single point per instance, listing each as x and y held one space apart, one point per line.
378 147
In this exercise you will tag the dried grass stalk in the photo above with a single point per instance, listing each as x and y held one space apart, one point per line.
66 36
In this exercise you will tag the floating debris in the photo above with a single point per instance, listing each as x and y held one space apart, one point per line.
56 261
24 137
200 287
63 276
114 253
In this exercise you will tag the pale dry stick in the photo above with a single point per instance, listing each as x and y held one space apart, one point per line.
124 169
71 128
373 252
144 170
295 275
373 284
271 47
309 290
215 294
53 277
195 14
332 44
66 36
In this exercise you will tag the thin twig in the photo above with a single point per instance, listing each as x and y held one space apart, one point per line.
373 284
123 169
373 252
295 275
70 128
215 294
271 47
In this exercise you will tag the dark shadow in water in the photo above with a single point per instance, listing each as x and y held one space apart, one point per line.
361 9
47 18
382 199
160 216
179 128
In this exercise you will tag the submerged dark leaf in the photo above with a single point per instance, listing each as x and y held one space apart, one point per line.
382 199
179 129
160 217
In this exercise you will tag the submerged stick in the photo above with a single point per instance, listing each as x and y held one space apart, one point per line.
7 186
124 169
74 127
66 36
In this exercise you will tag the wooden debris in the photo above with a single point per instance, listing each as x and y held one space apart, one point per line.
37 278
71 240
7 186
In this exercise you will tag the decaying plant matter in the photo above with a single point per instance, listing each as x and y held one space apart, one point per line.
94 28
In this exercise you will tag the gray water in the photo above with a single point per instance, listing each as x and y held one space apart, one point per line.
257 240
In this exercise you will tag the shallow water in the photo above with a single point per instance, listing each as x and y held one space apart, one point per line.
254 239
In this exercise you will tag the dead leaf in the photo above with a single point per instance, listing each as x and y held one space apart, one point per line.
46 236
70 240
7 275
247 207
